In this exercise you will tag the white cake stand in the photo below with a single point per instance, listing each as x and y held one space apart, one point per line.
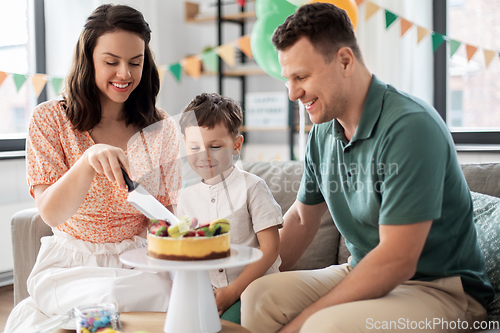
192 305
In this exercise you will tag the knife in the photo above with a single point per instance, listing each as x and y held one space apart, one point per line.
144 202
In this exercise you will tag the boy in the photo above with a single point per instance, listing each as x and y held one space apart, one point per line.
210 127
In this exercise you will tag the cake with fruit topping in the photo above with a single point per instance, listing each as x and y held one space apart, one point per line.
187 241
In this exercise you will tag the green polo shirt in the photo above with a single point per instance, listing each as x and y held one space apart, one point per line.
400 167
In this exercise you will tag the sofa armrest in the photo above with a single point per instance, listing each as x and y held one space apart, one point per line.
27 229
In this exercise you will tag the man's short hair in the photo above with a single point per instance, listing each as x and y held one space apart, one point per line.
209 110
328 27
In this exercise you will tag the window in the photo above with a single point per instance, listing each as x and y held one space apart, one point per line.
17 60
470 103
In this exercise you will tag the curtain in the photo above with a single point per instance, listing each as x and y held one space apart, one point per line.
397 60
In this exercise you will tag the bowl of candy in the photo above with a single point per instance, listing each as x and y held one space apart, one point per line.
100 318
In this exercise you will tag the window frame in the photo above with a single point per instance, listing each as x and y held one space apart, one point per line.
15 147
441 90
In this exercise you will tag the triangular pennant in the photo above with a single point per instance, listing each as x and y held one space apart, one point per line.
19 80
210 59
370 9
405 25
470 51
488 57
39 81
241 2
421 33
390 17
359 2
227 53
454 45
3 76
244 46
161 73
176 69
56 84
437 40
192 66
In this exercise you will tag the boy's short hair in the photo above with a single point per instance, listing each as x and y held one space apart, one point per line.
210 110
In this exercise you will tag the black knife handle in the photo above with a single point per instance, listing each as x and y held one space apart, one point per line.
130 183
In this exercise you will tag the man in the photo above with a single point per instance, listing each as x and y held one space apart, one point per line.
385 166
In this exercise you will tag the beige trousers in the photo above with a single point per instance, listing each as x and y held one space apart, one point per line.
269 303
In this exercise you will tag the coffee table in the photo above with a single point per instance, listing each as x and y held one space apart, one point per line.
153 322
192 305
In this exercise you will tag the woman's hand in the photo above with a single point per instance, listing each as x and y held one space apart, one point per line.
109 161
224 298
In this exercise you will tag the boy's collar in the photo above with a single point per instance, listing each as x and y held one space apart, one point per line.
219 178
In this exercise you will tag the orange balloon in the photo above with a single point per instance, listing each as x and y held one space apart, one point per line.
349 6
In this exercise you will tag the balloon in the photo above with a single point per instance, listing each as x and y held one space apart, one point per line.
298 3
270 14
349 6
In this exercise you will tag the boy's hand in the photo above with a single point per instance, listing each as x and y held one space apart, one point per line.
224 298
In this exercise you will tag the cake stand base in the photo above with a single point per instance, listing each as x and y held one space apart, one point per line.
193 304
192 307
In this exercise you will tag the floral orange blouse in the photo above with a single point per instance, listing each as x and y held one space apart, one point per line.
105 216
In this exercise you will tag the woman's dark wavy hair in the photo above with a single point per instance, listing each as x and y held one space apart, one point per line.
328 27
81 95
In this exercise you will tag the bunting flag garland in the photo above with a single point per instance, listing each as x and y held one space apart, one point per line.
56 84
176 70
422 33
39 81
244 46
454 45
19 80
228 54
3 76
210 59
370 9
471 50
437 40
161 72
488 57
389 18
405 26
192 66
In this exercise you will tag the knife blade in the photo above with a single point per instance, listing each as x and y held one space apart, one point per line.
144 202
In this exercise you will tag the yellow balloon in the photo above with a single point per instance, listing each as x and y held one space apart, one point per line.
349 6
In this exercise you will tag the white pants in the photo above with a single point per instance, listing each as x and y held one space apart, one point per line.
71 272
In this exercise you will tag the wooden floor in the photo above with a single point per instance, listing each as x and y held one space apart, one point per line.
6 304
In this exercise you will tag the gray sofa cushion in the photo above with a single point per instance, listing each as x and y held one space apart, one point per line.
483 178
487 222
27 227
283 179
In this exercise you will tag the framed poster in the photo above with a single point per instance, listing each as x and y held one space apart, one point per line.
266 109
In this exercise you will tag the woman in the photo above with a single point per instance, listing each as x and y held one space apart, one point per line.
76 150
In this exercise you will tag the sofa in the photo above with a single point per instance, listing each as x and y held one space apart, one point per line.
328 246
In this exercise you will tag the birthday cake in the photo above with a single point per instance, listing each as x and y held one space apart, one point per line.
187 241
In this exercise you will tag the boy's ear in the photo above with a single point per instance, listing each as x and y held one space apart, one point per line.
238 143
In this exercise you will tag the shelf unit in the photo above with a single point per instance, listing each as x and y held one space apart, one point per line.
193 15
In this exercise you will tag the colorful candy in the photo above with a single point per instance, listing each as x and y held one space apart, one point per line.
99 318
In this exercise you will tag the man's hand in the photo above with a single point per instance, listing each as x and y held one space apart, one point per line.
224 298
